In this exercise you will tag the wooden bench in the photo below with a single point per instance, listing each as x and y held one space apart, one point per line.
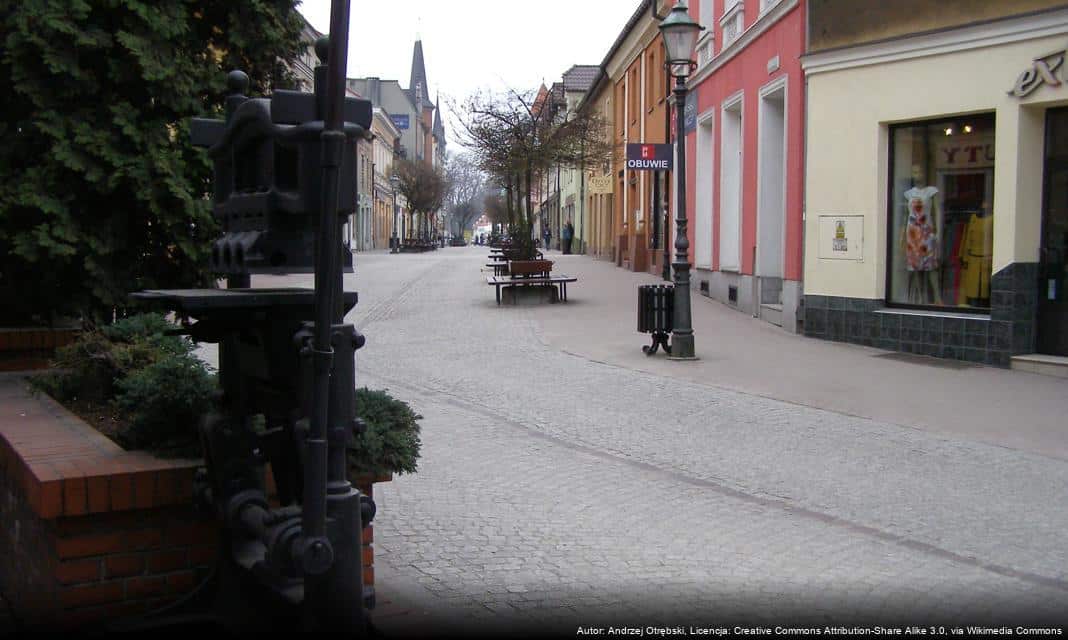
499 268
512 255
559 281
530 267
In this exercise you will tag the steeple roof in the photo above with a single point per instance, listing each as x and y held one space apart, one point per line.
418 77
439 129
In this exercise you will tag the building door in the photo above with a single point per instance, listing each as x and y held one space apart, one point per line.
702 209
1053 256
771 197
730 191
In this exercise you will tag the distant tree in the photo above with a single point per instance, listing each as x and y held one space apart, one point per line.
518 136
466 183
102 193
496 209
424 188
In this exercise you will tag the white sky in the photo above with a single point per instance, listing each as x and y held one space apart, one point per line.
476 44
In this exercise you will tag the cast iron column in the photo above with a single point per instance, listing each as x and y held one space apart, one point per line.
682 330
333 579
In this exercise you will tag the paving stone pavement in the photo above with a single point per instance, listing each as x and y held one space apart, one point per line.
556 491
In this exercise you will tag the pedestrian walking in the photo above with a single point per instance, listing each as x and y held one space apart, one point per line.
567 235
547 235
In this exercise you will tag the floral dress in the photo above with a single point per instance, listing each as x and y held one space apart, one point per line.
921 235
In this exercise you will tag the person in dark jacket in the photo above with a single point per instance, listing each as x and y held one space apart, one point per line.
567 235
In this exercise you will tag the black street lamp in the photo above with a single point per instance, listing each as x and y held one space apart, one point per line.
394 181
680 35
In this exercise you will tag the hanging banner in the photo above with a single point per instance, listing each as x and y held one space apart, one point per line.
401 121
600 185
649 157
690 112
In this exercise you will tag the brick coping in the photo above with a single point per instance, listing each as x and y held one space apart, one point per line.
65 467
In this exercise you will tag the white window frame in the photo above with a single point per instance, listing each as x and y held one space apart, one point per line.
766 5
733 23
706 47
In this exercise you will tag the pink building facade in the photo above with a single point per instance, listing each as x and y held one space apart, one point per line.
745 154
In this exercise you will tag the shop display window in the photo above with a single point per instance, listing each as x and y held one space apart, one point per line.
941 217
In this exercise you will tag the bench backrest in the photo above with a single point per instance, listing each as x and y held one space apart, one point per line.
528 267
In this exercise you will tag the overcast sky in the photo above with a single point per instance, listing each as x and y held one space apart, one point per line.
476 44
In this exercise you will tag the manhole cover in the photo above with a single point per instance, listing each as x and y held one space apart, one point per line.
930 361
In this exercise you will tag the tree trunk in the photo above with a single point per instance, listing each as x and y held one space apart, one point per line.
530 210
511 212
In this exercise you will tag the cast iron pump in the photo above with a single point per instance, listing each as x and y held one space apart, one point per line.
284 185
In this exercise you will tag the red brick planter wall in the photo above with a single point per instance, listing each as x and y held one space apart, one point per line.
366 486
90 532
31 348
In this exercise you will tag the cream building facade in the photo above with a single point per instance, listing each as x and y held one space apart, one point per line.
935 194
386 142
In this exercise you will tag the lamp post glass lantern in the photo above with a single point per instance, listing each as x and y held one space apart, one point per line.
680 35
394 181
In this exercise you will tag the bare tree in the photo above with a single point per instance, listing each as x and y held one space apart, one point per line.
516 137
496 209
466 185
424 188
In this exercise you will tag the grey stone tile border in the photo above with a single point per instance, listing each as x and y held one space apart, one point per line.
992 340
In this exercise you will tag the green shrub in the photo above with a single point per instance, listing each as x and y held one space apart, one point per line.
152 384
162 404
390 444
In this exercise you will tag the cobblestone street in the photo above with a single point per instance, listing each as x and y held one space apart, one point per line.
555 489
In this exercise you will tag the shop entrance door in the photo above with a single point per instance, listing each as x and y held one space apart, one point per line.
1052 327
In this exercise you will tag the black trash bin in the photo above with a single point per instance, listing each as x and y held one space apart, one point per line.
656 303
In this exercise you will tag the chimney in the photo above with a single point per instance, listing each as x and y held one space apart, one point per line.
374 92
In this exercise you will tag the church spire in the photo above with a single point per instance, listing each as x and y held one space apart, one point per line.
439 129
418 82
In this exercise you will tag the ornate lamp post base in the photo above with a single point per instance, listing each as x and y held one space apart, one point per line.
683 358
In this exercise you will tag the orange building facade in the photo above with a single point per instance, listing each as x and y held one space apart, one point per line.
635 69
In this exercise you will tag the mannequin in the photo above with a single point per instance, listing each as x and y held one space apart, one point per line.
976 254
920 241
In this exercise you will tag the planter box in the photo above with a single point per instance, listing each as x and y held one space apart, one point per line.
23 348
90 532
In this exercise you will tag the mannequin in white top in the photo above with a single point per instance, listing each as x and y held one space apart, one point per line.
921 241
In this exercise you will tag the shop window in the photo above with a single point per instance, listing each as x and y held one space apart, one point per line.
941 217
650 81
633 89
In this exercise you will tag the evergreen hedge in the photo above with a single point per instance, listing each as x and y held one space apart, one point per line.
102 193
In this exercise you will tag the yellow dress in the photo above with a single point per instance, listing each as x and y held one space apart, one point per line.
976 253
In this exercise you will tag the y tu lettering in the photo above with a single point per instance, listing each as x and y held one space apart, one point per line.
968 154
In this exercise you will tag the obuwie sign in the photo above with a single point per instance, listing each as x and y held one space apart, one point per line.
649 157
